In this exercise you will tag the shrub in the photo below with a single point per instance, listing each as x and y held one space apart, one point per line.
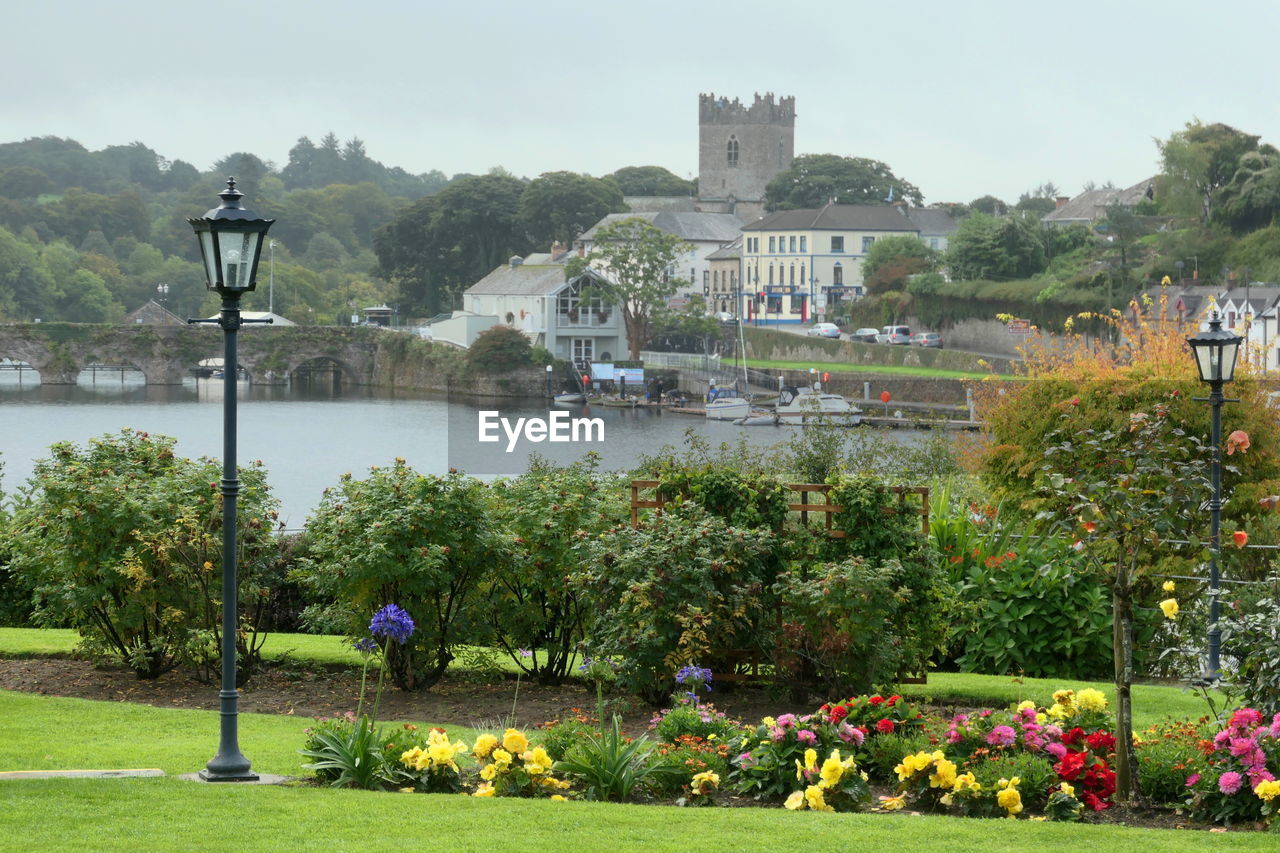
498 349
1167 755
510 767
1251 646
611 767
1242 757
423 541
560 735
550 514
680 588
886 752
766 755
122 540
1035 772
693 719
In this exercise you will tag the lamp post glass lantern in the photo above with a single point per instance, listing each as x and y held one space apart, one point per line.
230 244
1215 351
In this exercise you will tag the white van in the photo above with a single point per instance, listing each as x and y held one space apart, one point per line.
894 335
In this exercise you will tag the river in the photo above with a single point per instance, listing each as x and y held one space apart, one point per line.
308 439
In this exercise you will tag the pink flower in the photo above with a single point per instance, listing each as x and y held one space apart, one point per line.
1052 731
849 734
954 736
1057 750
1221 738
1246 717
1258 776
806 736
786 721
1002 736
1242 746
1230 782
985 712
1192 779
777 734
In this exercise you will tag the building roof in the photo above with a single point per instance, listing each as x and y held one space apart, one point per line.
694 227
932 221
836 217
731 252
1091 205
523 279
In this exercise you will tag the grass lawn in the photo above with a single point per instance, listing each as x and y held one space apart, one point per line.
39 732
874 369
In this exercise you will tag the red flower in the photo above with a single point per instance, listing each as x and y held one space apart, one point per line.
1102 742
1092 801
1073 737
885 727
1070 767
1238 440
838 713
876 700
1240 537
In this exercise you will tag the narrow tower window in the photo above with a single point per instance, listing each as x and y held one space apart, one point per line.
733 151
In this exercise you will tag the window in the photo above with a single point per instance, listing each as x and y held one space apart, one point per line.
770 273
802 242
802 273
772 248
866 244
933 242
837 275
793 245
706 278
733 151
793 274
733 279
837 244
797 303
583 350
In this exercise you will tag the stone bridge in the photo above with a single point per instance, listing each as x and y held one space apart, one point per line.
166 354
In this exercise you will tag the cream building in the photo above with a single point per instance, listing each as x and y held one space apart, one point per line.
797 265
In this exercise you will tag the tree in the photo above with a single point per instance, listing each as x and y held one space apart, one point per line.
892 260
1039 200
1004 248
635 263
990 205
446 242
1197 162
812 180
558 206
651 181
1251 200
23 182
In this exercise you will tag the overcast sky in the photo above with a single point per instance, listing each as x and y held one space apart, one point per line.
961 99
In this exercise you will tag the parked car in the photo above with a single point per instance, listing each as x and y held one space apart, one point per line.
824 330
866 336
894 335
927 339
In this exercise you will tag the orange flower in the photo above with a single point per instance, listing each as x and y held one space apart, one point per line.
1089 526
1238 440
1240 537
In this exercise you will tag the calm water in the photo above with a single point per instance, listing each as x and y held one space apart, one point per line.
308 440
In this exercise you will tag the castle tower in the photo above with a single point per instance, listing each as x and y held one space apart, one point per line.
740 149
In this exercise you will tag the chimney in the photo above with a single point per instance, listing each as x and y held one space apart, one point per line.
1060 202
515 261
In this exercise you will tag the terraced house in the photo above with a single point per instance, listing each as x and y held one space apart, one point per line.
797 265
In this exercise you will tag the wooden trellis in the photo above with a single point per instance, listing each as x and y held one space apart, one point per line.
804 506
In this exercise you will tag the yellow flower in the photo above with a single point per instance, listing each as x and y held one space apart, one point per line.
514 741
892 804
405 790
769 721
965 781
484 745
1066 788
1268 790
559 798
1065 698
1059 712
501 758
1090 699
944 774
1169 586
537 760
795 802
813 796
1170 608
832 769
810 763
1041 718
1025 704
488 772
705 782
1010 800
410 757
485 790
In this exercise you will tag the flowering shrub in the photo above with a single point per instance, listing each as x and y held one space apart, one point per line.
692 755
1167 754
1019 728
835 785
701 789
1238 783
700 721
874 714
511 768
767 756
434 770
1063 805
561 735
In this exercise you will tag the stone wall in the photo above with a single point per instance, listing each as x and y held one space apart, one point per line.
783 346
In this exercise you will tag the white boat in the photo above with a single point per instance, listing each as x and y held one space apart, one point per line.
571 397
724 404
796 405
758 418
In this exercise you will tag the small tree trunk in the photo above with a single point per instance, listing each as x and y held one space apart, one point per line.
1122 645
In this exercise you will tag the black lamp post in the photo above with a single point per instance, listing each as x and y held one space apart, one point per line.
230 244
1215 351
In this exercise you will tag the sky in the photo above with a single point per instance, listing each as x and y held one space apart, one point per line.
960 99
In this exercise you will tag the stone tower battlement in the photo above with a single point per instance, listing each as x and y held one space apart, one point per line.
740 149
713 110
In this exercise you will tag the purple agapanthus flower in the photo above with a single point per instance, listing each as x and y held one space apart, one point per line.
695 673
366 646
392 622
